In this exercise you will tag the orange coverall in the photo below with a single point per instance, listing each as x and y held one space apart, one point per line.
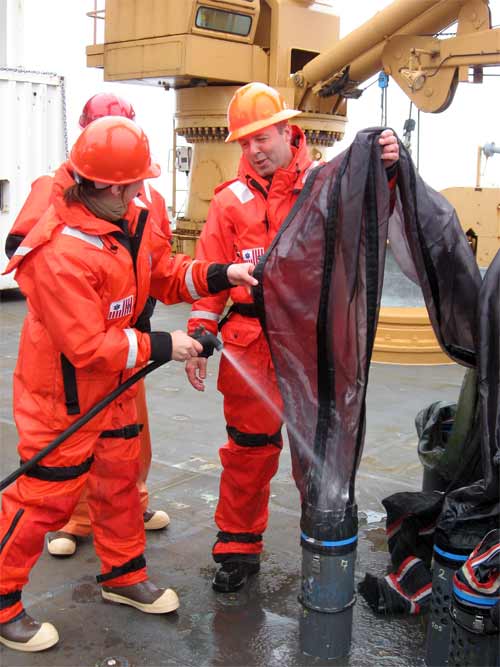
78 343
244 216
34 207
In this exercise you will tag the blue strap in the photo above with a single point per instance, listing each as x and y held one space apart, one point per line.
450 556
326 543
475 599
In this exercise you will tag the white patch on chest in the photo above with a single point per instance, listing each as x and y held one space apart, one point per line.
121 308
252 254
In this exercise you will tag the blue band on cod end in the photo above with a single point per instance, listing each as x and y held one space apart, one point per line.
327 543
450 556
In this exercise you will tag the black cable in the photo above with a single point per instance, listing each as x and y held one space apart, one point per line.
369 85
383 106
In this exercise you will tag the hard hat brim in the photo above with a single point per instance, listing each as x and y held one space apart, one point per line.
153 171
261 124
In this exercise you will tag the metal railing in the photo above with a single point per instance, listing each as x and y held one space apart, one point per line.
96 14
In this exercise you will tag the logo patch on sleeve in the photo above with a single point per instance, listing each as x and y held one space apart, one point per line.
252 255
121 308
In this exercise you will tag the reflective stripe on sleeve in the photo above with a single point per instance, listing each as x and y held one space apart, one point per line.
133 347
190 282
23 250
205 315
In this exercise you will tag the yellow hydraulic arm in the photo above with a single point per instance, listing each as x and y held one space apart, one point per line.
400 40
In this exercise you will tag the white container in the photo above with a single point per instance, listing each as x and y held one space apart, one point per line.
33 141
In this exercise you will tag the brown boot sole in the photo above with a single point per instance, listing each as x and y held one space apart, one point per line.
46 637
166 603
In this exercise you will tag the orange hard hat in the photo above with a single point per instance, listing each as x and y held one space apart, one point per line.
113 150
105 104
254 107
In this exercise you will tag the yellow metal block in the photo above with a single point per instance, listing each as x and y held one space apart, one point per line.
479 209
185 58
151 58
405 336
95 55
128 20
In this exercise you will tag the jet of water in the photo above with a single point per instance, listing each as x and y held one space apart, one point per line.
247 376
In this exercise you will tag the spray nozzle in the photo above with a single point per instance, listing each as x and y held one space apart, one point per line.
209 341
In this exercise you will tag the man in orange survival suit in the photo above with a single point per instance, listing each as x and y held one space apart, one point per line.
87 268
64 542
244 216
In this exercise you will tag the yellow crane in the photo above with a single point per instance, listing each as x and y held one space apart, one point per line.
205 49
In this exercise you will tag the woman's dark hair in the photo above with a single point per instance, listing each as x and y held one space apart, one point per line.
72 195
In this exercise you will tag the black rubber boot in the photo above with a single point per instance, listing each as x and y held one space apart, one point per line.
233 574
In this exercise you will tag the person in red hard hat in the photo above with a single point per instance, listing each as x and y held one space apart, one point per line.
243 218
65 542
105 104
99 105
87 268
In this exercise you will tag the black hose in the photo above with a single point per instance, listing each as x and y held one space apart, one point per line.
209 343
80 422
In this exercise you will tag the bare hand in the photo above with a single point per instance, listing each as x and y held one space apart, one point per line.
390 148
184 347
241 274
196 370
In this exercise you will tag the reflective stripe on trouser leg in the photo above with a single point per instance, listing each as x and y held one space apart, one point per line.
242 509
114 505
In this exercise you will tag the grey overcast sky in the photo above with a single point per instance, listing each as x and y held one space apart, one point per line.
57 31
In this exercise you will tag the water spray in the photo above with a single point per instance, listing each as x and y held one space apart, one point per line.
328 539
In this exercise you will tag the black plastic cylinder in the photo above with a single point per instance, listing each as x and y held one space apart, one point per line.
474 639
327 597
439 624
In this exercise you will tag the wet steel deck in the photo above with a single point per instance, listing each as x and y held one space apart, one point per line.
260 625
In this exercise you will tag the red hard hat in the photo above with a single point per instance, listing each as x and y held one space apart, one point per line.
113 150
105 104
254 107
